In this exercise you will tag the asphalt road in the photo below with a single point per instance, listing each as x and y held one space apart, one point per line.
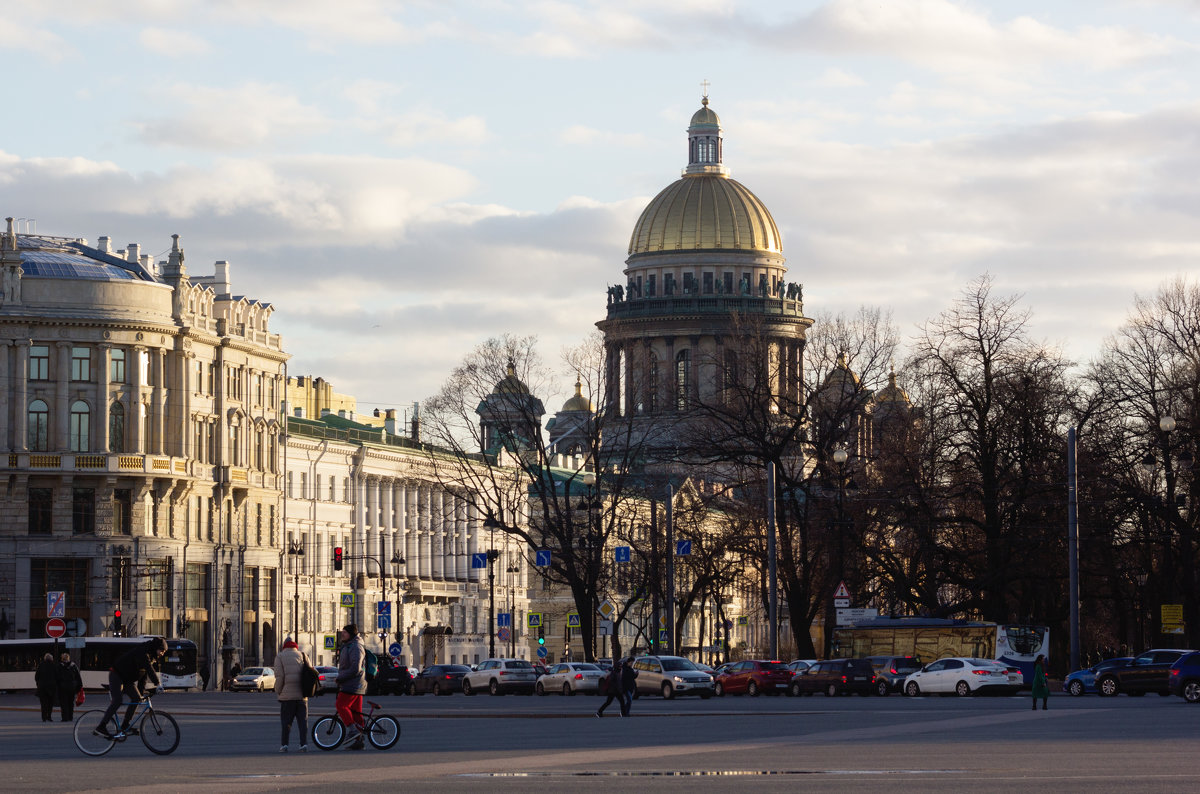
230 743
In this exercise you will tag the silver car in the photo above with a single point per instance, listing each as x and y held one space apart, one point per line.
571 678
670 676
500 676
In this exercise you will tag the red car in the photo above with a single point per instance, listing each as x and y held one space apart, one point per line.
754 677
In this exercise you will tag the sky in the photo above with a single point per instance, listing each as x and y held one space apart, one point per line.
403 180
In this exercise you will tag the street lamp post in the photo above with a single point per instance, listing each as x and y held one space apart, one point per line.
840 456
492 523
397 562
513 568
295 551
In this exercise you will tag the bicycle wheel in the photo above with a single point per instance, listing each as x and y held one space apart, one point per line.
328 732
383 731
160 732
85 738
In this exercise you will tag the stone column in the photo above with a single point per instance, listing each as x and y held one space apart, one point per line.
411 530
388 546
423 498
5 388
473 527
461 560
158 400
438 527
360 521
61 416
134 414
371 534
102 397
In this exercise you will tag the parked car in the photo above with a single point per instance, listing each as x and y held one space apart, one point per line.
328 677
1083 681
835 677
390 679
254 679
670 676
1148 672
540 669
571 678
963 676
754 677
890 672
1185 677
500 676
440 679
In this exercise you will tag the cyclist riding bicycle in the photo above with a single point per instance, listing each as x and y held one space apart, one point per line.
129 674
352 685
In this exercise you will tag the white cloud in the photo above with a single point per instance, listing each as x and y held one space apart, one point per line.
172 43
837 78
581 135
20 37
221 119
423 126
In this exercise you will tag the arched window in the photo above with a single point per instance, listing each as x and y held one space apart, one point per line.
682 379
39 426
652 384
116 428
81 427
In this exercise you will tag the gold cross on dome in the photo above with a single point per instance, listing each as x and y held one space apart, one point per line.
704 84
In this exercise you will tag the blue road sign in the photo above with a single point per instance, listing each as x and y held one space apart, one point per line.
504 619
621 553
383 621
573 620
383 608
479 560
330 642
683 548
56 604
534 619
347 599
662 635
504 634
394 650
543 558
543 653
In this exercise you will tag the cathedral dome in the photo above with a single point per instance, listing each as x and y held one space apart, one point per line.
705 210
578 402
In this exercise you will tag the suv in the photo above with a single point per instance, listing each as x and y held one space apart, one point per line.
1185 677
500 676
836 677
753 677
1148 672
670 676
390 679
890 671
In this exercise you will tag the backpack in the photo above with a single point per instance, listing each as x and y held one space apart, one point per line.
310 679
372 665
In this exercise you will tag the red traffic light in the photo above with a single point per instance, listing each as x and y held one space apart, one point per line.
116 613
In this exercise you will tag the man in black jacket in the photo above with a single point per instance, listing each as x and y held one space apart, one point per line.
47 686
130 673
69 684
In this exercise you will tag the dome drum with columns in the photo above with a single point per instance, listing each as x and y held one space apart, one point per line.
705 256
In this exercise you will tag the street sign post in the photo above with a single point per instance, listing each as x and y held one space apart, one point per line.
573 620
542 559
394 650
606 609
535 620
56 604
604 628
504 619
848 617
621 553
479 560
543 653
504 633
56 627
348 599
76 627
330 642
383 622
683 548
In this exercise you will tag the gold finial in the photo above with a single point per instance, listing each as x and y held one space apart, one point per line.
704 84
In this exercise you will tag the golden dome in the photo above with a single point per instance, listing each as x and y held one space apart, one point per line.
578 402
892 393
705 211
510 383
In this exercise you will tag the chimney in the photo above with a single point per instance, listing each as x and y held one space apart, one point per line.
133 252
221 278
105 244
416 422
389 422
325 412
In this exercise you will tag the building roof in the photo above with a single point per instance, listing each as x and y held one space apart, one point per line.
705 212
65 258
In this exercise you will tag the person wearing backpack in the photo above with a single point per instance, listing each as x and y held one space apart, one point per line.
352 685
293 705
612 687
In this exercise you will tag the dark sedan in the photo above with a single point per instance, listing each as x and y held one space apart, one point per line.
1148 672
440 679
836 677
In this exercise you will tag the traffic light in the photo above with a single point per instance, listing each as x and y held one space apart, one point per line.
117 627
337 558
541 636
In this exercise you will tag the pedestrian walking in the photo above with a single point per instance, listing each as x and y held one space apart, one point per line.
204 677
352 685
628 685
1041 687
293 705
70 684
46 680
613 689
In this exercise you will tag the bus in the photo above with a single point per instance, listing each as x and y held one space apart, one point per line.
19 660
932 639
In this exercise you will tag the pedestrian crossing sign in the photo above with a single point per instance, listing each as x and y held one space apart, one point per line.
573 620
330 642
348 599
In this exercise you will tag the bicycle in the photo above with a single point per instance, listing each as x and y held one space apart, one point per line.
381 731
159 731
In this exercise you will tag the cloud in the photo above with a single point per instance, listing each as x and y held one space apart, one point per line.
423 126
172 43
581 135
837 78
220 119
20 37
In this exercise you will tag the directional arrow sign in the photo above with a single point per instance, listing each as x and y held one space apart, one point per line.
683 548
621 553
479 560
543 558
504 619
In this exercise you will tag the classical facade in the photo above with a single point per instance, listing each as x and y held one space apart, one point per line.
141 424
406 541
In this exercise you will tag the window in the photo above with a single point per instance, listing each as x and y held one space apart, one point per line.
727 280
39 362
651 285
122 512
83 511
333 489
68 574
156 582
116 366
41 511
80 428
196 586
116 428
228 583
682 382
235 445
39 426
708 283
689 284
81 363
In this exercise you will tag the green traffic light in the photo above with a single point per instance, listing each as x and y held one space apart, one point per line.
541 640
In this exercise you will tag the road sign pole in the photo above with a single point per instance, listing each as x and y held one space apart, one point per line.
670 639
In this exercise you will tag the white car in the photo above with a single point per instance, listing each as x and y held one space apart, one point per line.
500 676
571 678
254 679
963 676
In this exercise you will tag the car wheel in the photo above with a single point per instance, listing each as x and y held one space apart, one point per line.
1108 686
668 691
541 690
719 690
567 690
962 689
437 688
794 690
494 687
752 689
882 689
911 689
1191 691
831 691
467 690
1075 688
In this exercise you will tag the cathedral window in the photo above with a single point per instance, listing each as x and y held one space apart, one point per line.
80 428
682 379
39 362
39 426
81 363
116 366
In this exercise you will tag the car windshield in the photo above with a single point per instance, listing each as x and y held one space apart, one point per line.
774 666
677 664
518 664
456 668
253 671
906 665
860 665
